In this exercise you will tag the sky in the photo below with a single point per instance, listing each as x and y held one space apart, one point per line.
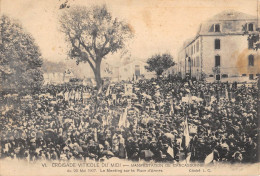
159 25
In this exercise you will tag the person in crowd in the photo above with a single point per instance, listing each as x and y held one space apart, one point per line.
72 122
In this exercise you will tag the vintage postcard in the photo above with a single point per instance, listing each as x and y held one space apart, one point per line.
129 87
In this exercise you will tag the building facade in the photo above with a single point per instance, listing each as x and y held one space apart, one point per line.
134 70
170 71
58 77
221 50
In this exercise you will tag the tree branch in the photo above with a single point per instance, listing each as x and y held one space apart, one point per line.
81 54
94 43
105 51
87 49
90 63
105 43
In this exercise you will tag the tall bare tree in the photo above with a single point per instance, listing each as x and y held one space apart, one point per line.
93 33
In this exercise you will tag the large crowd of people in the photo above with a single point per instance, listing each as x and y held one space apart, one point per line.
159 120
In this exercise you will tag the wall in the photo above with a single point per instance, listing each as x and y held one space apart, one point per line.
126 72
193 51
233 54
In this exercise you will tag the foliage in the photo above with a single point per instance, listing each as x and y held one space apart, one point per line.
160 63
20 58
92 34
253 37
65 4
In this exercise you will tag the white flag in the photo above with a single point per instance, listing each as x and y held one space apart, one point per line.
170 151
99 90
95 135
172 109
123 119
226 93
209 158
188 158
189 99
186 133
108 90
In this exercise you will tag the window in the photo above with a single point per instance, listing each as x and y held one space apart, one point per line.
189 62
250 44
250 27
244 74
210 76
251 60
137 70
198 61
217 44
224 76
217 28
217 61
251 76
217 77
197 46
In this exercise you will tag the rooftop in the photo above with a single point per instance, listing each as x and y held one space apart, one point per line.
231 15
231 22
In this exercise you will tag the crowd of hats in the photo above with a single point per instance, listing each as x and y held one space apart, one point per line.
146 123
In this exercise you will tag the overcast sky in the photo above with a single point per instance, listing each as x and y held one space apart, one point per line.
159 25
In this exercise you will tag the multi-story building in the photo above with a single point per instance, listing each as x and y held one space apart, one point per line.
221 49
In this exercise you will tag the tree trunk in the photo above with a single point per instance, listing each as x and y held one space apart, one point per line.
98 75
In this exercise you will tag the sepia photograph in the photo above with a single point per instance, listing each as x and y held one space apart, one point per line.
129 87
